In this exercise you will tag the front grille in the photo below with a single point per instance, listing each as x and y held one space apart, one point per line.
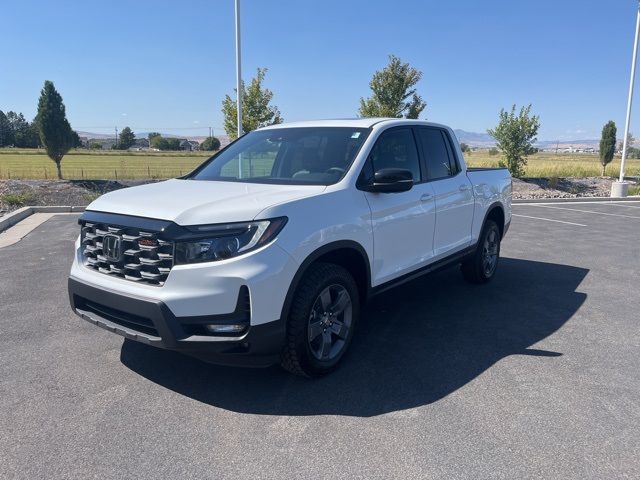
139 256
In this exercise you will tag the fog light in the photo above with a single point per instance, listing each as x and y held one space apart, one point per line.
237 328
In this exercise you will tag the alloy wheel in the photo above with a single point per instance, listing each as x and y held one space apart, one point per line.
330 321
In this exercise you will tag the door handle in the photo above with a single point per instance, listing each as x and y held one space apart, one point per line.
425 197
463 187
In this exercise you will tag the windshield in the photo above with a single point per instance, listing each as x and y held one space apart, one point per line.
309 155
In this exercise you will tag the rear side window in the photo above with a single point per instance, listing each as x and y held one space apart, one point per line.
396 148
437 153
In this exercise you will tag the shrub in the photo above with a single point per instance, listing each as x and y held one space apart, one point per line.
17 199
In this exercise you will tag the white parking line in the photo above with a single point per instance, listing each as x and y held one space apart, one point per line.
579 202
618 204
548 220
582 211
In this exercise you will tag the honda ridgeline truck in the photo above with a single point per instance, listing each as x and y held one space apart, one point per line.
268 251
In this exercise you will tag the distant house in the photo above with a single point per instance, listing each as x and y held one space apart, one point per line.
189 145
140 144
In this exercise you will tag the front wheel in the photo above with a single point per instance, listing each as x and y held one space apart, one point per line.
322 320
481 267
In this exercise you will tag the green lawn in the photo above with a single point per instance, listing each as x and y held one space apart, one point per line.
559 165
34 164
31 164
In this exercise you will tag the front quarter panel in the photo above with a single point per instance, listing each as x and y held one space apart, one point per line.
336 215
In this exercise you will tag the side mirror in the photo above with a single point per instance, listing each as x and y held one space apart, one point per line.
390 180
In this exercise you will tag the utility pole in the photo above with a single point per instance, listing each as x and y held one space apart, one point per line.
620 188
238 82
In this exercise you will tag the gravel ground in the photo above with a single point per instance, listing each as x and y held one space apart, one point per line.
531 188
82 192
56 192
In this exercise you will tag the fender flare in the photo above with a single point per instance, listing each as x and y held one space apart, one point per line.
315 255
497 204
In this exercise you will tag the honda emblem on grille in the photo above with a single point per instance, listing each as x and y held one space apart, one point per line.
112 247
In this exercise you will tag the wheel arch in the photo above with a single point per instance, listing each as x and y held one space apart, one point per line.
346 253
495 212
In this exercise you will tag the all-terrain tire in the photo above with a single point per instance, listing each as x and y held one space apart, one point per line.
479 268
297 356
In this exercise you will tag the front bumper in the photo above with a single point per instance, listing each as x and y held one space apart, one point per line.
152 322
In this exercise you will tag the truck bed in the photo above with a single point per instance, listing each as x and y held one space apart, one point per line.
482 169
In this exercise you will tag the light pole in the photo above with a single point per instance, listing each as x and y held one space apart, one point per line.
238 82
620 188
238 69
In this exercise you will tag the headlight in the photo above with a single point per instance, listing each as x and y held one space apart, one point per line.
219 242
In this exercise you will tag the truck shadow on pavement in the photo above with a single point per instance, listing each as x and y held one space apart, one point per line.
415 345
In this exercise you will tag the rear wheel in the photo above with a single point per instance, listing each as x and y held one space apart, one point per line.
320 326
481 267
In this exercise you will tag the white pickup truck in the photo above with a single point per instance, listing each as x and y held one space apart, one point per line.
268 251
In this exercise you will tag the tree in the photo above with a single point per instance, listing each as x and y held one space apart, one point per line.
55 131
32 138
515 135
23 133
607 144
393 92
464 147
630 141
256 111
210 144
6 133
493 151
77 142
127 139
165 143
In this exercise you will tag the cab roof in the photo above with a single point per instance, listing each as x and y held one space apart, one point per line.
353 123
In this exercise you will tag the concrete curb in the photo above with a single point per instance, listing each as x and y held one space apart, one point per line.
576 200
10 220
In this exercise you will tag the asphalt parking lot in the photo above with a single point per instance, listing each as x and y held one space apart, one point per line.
536 375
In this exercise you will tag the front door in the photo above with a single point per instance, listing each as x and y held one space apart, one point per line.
403 222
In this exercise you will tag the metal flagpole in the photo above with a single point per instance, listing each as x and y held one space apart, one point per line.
621 191
238 82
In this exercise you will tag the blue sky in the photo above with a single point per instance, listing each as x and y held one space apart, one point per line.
167 65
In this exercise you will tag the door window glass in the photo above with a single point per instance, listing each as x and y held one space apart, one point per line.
396 149
436 155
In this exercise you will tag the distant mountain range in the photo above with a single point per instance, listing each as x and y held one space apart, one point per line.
473 139
484 140
224 139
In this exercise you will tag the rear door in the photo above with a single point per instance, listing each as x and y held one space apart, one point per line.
403 222
454 200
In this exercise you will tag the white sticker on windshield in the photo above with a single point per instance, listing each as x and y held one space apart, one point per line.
355 135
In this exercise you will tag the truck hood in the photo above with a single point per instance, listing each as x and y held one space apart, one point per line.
197 202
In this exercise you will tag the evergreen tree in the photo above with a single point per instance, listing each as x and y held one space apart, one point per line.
210 144
127 139
607 144
55 132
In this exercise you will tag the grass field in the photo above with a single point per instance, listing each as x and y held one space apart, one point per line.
34 164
